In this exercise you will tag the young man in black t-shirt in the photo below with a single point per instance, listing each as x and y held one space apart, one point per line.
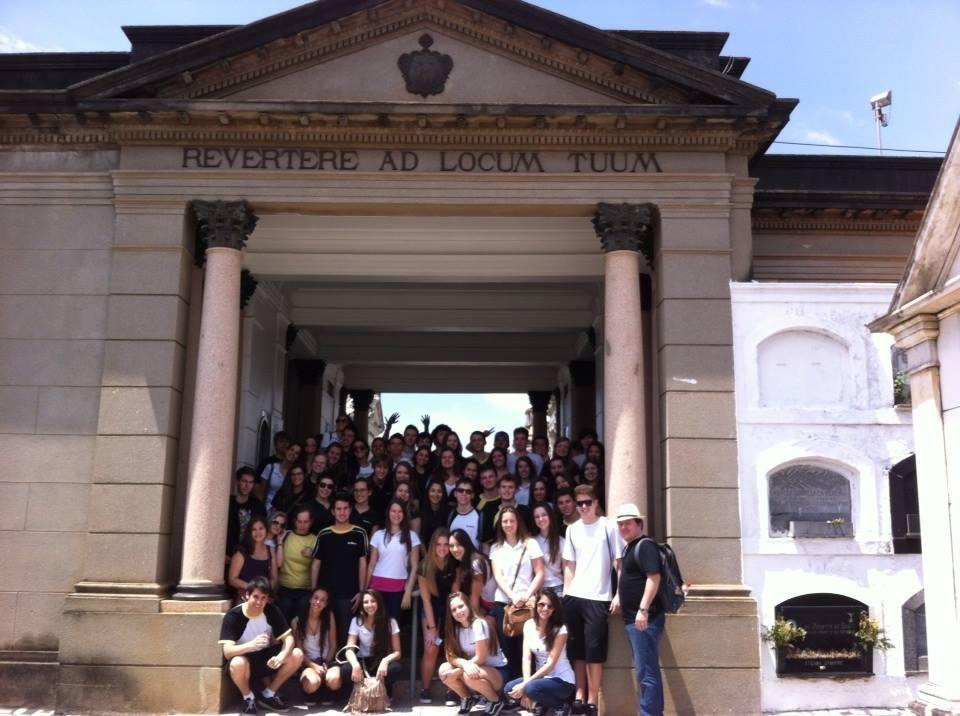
257 643
340 564
243 507
644 619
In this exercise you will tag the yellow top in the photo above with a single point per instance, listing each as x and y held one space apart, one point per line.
295 571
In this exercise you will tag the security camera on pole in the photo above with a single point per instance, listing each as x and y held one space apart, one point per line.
878 102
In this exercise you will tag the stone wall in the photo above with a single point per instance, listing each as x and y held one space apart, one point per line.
56 235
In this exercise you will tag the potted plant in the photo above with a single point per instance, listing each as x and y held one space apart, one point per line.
901 388
783 636
870 635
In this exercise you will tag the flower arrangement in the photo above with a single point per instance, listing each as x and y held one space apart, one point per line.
783 633
870 634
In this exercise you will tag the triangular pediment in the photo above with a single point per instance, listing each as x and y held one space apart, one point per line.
501 51
372 73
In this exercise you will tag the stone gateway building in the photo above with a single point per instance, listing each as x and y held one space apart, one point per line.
229 229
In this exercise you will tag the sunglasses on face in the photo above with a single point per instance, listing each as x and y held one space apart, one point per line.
584 503
465 491
279 523
326 485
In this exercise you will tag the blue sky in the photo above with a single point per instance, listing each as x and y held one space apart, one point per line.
832 55
463 413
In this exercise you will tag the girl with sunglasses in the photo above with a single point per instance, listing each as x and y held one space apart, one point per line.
548 682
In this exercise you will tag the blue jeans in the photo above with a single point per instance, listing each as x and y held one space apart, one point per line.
646 663
547 691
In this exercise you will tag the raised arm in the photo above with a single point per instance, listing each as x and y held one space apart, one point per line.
391 421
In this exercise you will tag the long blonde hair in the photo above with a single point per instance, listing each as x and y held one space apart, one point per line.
429 566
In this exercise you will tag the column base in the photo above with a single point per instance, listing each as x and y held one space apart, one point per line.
709 657
127 654
199 592
932 701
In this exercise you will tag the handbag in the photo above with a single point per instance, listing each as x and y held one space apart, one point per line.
515 617
369 694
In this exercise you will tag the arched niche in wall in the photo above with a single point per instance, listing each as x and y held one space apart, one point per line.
808 500
264 444
829 647
904 507
801 368
914 614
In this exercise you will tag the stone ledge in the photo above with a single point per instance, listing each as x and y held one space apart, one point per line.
182 606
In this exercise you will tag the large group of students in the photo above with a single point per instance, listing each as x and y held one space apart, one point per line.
517 569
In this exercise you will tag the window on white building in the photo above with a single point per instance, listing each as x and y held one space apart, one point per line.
800 368
905 507
809 501
915 634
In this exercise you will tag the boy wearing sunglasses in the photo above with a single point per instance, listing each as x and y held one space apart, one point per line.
591 550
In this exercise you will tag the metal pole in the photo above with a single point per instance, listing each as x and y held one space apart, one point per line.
878 115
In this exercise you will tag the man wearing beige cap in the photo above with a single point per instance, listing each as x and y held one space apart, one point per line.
639 581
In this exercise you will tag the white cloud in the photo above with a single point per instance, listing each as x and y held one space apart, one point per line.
725 4
11 43
818 137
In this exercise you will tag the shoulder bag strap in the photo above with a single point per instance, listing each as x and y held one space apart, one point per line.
519 564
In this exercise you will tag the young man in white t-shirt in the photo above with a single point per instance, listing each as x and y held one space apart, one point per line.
592 548
466 517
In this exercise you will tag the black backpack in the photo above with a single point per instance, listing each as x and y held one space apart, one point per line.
671 594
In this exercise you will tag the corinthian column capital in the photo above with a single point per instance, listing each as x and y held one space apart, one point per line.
625 227
225 224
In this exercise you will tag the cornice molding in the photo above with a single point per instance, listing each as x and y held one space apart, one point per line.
358 136
876 221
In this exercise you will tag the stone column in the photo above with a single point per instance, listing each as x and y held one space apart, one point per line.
940 516
583 404
624 230
539 401
223 228
362 400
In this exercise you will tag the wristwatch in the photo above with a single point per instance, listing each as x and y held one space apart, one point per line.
643 611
